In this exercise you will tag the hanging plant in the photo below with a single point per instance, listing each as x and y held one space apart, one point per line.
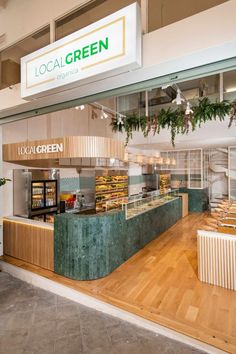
3 181
177 121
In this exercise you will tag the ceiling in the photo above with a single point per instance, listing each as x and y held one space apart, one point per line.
188 144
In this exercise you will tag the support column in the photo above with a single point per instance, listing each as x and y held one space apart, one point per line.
52 31
144 15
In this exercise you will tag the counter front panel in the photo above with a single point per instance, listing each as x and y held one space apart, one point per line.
91 246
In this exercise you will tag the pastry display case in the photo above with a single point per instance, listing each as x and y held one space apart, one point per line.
139 206
135 206
109 188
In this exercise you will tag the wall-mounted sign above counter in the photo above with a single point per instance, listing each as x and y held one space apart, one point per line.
54 152
104 48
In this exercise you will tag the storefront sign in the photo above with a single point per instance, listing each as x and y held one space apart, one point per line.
107 47
52 152
40 149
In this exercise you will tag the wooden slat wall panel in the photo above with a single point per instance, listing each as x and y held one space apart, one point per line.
73 147
29 243
217 259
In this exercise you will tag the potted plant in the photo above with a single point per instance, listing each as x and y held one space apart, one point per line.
3 181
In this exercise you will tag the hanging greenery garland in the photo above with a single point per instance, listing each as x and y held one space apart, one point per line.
3 181
177 121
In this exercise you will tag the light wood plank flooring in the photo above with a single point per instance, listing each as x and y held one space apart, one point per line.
160 283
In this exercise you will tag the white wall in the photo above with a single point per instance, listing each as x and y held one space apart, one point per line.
22 17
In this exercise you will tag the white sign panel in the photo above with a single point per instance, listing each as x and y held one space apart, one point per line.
107 47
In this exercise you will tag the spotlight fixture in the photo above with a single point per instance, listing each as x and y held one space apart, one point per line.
164 87
82 107
188 109
178 100
103 114
120 120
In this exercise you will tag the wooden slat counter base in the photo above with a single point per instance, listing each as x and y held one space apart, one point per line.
217 258
184 197
29 241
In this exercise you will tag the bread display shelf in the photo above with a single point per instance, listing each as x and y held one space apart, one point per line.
109 188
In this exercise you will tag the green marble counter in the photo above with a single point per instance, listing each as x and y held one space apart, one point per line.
89 247
198 200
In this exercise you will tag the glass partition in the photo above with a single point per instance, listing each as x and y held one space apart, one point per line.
141 203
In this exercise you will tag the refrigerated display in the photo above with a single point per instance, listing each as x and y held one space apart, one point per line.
51 193
36 193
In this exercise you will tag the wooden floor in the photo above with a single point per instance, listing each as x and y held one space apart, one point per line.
160 283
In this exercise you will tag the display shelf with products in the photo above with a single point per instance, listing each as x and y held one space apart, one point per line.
165 184
110 188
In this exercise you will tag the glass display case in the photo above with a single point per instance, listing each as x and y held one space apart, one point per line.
44 194
134 206
37 195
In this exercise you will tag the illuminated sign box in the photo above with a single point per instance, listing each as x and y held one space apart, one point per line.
104 48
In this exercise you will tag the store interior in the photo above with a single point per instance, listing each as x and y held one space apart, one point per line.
200 159
130 213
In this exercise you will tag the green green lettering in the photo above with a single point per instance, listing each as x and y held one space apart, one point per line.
103 45
77 54
69 58
94 48
85 52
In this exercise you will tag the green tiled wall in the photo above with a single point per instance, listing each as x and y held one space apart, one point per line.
69 184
